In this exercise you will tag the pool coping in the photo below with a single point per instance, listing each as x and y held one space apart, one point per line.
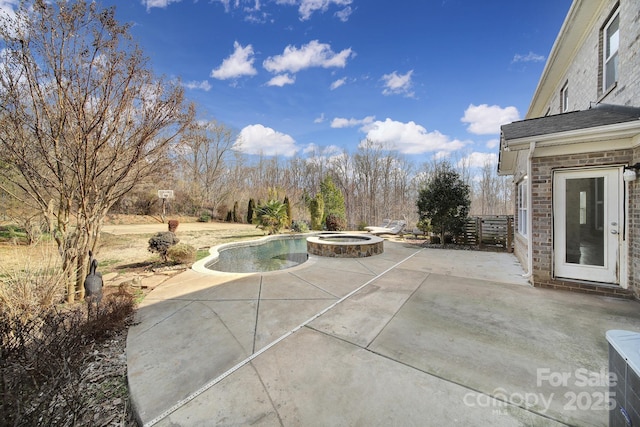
214 252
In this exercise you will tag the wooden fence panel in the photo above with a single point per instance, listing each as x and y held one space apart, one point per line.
494 230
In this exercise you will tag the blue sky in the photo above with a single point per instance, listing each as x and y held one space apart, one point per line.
292 77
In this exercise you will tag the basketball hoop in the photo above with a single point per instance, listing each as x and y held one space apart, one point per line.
165 194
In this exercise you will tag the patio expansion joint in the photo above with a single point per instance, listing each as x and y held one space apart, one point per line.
267 347
255 327
431 374
164 319
299 299
266 391
365 266
314 285
398 310
459 384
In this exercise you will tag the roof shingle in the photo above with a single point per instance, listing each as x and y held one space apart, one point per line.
600 115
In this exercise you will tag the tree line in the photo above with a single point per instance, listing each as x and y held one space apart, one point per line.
87 129
375 182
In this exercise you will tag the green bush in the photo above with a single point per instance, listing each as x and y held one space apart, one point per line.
362 225
161 242
316 208
182 253
300 227
271 216
335 223
424 225
204 217
445 201
250 208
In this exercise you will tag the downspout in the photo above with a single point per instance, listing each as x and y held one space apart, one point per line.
529 273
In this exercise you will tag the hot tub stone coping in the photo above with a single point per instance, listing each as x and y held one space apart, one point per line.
370 245
366 238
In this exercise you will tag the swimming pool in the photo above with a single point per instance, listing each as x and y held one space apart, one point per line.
259 255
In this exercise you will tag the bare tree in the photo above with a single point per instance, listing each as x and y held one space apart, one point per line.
492 193
368 173
82 118
205 157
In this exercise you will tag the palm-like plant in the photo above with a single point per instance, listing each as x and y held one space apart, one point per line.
271 216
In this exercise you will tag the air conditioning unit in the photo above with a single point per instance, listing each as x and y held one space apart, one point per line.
624 378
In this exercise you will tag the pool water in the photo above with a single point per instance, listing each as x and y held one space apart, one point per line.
271 255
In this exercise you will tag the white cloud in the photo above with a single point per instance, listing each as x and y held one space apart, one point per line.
227 5
258 139
257 18
313 54
8 11
530 57
319 119
316 151
335 85
308 7
410 138
493 143
344 14
281 80
339 122
398 84
255 8
322 155
158 3
203 85
486 120
478 160
8 6
239 63
311 149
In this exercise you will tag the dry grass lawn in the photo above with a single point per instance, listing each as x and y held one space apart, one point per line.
123 249
124 241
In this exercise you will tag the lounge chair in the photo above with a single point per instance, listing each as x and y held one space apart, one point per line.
394 227
385 223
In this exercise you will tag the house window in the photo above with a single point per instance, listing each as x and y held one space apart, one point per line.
522 207
564 98
610 54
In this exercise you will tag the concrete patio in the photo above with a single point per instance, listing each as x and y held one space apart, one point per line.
409 337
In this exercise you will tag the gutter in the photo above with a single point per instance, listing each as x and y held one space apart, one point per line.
529 273
616 131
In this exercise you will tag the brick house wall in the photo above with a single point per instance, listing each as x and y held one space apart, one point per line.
520 248
634 230
542 211
584 75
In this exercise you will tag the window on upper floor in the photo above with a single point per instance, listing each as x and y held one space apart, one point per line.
611 40
564 98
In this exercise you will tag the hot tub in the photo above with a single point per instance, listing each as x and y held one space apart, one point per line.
339 245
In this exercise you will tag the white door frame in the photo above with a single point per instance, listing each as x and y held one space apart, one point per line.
613 226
